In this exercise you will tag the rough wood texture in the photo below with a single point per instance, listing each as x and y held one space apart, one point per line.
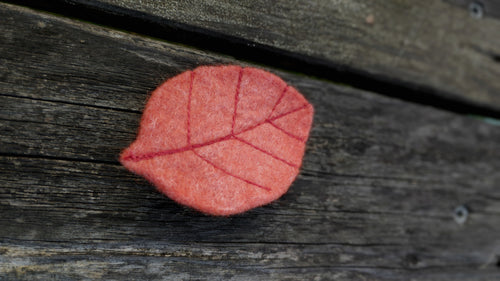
374 201
429 44
480 8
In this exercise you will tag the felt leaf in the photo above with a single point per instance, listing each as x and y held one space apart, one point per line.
221 139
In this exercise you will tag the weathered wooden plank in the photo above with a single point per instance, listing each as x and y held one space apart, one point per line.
435 46
375 198
209 261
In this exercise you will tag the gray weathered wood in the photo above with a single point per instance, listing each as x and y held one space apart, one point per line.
430 44
479 8
374 200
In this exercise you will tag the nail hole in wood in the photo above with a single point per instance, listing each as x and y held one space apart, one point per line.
476 10
460 214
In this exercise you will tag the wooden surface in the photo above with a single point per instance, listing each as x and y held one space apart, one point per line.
479 9
439 46
375 199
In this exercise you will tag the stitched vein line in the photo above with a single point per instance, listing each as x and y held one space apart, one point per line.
229 173
189 109
278 101
288 113
147 156
266 152
274 118
236 99
286 132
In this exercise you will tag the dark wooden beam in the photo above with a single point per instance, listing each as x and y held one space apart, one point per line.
429 52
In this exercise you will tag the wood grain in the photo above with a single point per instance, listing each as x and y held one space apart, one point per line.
374 200
479 8
435 47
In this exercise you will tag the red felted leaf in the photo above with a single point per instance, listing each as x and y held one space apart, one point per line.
221 139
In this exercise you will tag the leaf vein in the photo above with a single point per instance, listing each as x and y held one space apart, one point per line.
266 152
151 155
229 173
236 99
286 132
